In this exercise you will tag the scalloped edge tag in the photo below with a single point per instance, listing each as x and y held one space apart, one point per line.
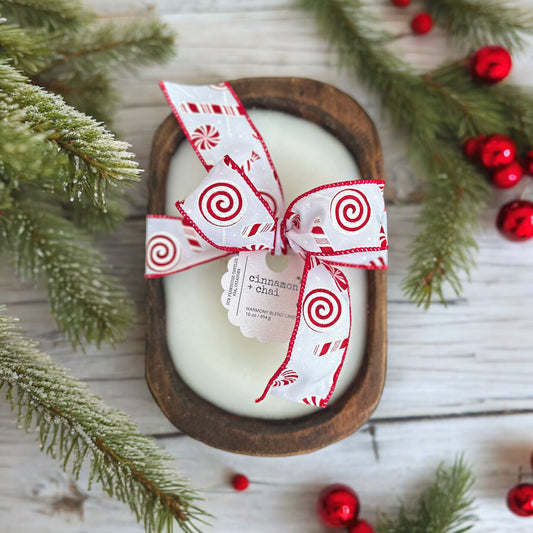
259 300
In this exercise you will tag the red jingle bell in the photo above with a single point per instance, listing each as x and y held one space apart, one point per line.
491 64
520 499
507 176
337 506
401 3
497 151
422 23
361 526
515 220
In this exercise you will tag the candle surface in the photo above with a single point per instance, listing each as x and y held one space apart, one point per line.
210 354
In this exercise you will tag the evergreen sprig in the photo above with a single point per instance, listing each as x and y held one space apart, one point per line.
57 15
444 507
87 304
126 47
63 177
78 62
94 158
438 111
78 428
78 160
504 108
443 245
476 23
21 47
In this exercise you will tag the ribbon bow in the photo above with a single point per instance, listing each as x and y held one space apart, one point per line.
238 208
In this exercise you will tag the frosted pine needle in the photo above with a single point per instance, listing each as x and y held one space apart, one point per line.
77 428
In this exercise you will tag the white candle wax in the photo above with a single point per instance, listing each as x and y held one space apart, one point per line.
210 354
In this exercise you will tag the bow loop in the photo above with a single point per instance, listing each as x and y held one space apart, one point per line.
340 221
229 212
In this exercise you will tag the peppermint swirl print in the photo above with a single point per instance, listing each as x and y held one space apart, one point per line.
321 309
222 204
205 137
163 253
350 210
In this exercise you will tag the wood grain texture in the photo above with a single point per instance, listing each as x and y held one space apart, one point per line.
459 377
341 116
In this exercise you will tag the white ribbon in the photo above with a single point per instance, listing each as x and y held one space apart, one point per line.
239 207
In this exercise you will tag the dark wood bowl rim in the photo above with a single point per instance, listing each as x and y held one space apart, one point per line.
344 118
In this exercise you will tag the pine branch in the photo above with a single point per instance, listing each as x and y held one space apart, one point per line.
518 104
503 108
56 15
414 105
83 62
96 158
87 305
443 507
474 109
37 178
110 47
22 48
92 93
76 427
17 140
93 219
445 242
476 23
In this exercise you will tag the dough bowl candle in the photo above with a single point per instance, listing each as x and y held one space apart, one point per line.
221 328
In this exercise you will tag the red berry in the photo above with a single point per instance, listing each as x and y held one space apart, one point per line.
515 220
508 176
472 146
361 526
491 64
422 23
400 3
497 151
240 482
520 499
337 506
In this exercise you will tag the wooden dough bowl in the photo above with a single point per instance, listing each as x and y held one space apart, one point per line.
341 116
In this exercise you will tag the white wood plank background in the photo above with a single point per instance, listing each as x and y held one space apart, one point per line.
459 377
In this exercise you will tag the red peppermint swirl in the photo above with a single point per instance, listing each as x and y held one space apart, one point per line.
205 137
321 309
222 204
163 253
350 210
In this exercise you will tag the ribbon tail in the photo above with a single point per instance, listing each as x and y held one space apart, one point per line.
172 246
319 341
216 123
